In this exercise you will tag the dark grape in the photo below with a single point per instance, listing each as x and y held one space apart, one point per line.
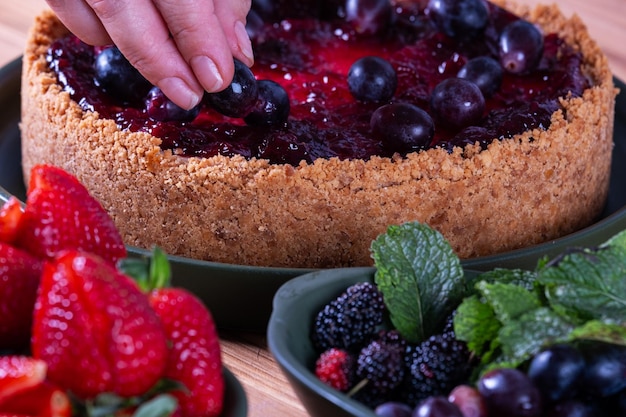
520 47
436 407
509 392
272 107
369 17
403 126
469 401
159 107
457 102
265 9
118 78
459 18
372 78
605 371
556 371
572 408
238 99
485 72
393 409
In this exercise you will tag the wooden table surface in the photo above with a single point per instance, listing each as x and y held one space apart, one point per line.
246 355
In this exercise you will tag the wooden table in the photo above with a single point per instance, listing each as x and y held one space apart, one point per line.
246 355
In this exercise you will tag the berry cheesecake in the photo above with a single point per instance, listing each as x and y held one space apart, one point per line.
490 122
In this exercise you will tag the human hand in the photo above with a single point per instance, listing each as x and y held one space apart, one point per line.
184 47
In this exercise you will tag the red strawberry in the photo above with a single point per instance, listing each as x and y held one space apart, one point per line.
42 400
19 373
195 356
61 214
10 216
95 329
19 278
336 368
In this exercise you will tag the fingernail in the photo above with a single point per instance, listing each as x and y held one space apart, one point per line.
207 73
243 40
179 92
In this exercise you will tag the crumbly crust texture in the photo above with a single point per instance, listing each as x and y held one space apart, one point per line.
538 186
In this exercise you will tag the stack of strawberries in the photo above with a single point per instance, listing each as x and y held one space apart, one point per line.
78 335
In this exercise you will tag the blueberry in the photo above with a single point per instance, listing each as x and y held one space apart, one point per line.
372 79
459 18
272 107
369 17
159 107
238 99
403 126
485 72
118 78
457 102
520 47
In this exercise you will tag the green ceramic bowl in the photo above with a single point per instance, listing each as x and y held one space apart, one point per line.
294 308
235 401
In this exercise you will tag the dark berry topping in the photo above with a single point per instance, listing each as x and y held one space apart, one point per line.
459 18
521 47
485 72
369 17
118 78
159 107
403 126
372 79
350 319
393 409
457 102
272 106
557 371
239 98
382 365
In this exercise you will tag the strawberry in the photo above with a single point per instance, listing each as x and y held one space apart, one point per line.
60 214
195 356
42 400
19 373
10 216
19 278
95 329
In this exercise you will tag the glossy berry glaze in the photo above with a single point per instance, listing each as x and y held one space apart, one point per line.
311 57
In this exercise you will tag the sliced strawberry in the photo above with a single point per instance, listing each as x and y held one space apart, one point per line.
10 216
95 329
42 400
61 214
195 356
19 278
19 373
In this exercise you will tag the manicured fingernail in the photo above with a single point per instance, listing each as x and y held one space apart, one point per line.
207 73
179 92
243 40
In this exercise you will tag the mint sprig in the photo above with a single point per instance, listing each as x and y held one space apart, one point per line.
420 276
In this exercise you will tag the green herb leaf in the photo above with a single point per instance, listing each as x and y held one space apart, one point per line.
162 405
588 284
508 301
597 330
476 324
420 277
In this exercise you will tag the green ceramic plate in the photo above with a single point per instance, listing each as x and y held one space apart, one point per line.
241 296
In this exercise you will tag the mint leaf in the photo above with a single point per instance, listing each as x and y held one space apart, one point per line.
523 278
420 277
476 324
523 338
508 301
597 330
588 284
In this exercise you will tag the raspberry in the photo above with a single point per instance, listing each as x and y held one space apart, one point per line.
435 367
335 367
349 320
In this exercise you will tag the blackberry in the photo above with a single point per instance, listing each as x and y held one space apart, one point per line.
380 365
435 367
350 320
